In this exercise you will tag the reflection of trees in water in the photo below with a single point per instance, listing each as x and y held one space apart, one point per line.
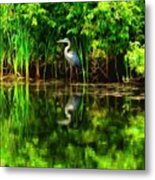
100 129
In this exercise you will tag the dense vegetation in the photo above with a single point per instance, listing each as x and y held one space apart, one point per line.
108 37
107 129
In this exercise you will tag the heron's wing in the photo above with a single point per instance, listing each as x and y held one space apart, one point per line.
74 58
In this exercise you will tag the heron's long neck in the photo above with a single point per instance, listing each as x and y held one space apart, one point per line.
68 115
68 109
67 47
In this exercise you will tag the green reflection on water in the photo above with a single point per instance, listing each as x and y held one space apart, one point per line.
52 125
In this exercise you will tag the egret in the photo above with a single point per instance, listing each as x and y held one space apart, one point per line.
70 56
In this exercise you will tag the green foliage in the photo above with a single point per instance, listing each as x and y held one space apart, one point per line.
135 58
99 30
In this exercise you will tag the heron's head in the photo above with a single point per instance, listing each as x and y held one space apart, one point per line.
65 40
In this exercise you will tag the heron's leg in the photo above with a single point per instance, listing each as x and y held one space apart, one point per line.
71 71
76 73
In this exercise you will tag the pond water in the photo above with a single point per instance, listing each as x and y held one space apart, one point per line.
72 126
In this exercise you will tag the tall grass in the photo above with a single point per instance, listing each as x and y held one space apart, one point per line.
83 60
22 49
16 47
2 49
1 55
80 51
85 64
27 51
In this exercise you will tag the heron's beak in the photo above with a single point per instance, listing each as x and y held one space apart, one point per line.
60 41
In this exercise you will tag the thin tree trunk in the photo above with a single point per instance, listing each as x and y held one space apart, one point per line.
107 66
37 71
117 75
1 70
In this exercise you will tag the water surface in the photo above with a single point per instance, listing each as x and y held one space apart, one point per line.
72 126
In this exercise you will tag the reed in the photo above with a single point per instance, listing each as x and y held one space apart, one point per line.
1 55
84 50
81 54
3 12
27 51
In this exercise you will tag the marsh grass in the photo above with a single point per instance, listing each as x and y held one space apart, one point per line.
14 44
2 52
2 44
80 47
22 50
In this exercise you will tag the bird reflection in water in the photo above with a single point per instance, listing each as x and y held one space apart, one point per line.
70 108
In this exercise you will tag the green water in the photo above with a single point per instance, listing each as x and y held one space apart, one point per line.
72 126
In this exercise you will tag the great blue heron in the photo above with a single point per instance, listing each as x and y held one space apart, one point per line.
70 56
71 106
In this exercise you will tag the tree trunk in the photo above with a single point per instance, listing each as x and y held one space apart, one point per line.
37 71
